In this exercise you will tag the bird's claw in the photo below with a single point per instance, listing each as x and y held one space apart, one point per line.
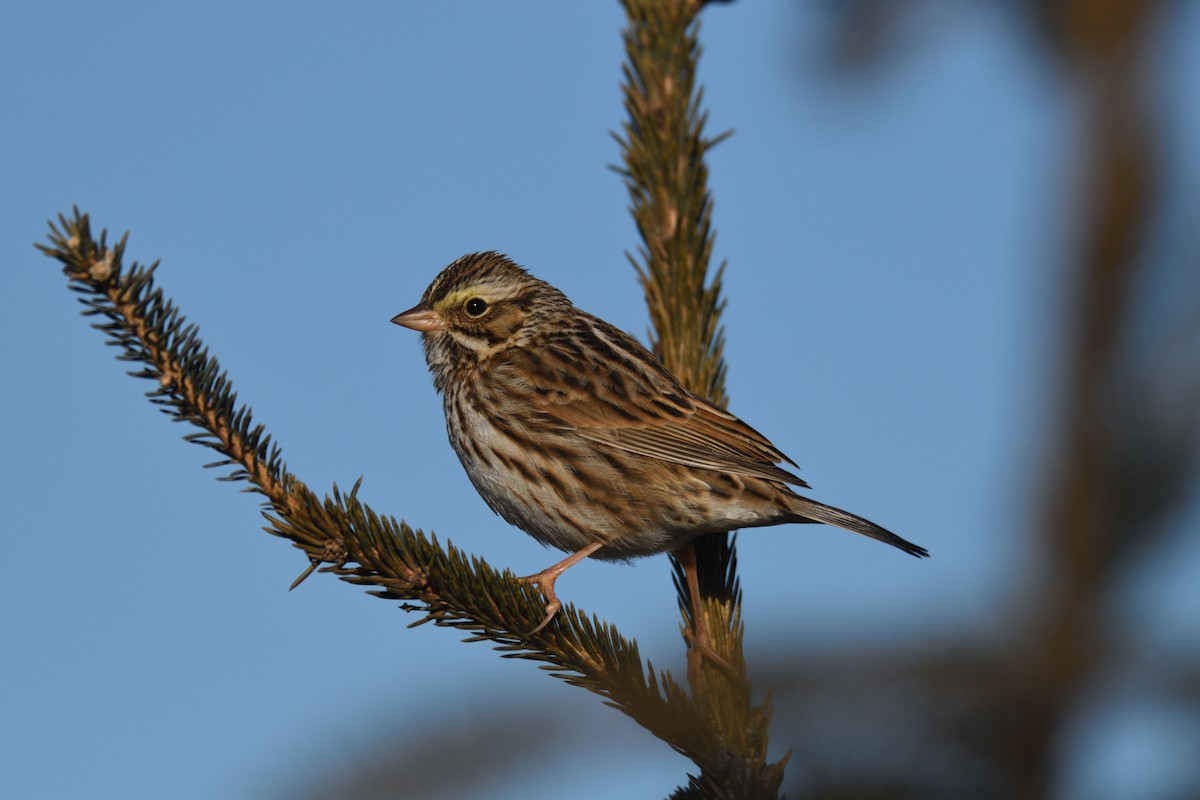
544 581
700 649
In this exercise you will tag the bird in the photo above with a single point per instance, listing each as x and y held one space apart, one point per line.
575 433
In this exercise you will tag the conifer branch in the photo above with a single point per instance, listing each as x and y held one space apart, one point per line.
717 727
449 587
663 147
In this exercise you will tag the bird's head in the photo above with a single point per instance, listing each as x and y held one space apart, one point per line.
478 306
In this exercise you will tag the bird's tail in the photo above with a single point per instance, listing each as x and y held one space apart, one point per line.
807 510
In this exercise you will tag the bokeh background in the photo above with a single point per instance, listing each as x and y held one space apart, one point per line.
964 294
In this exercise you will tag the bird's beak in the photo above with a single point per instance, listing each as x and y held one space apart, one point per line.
420 318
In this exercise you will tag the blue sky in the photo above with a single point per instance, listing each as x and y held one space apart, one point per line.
303 173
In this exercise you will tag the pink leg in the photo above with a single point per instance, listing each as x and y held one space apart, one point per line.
700 646
545 579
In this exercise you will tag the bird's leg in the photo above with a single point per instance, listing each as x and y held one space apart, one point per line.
699 642
545 579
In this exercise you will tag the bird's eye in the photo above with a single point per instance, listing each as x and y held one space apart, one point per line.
476 306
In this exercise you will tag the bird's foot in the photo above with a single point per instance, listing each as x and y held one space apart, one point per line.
700 649
544 580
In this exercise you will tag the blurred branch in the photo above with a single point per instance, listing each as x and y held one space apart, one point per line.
1089 532
1125 446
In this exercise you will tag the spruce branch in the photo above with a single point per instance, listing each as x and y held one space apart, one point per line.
663 148
449 587
717 726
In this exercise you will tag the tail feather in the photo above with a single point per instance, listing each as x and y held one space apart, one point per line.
807 510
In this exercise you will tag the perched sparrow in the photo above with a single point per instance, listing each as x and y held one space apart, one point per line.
575 433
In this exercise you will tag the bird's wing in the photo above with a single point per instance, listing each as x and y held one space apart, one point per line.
706 438
645 411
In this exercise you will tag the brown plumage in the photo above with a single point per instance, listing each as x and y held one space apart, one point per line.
575 433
